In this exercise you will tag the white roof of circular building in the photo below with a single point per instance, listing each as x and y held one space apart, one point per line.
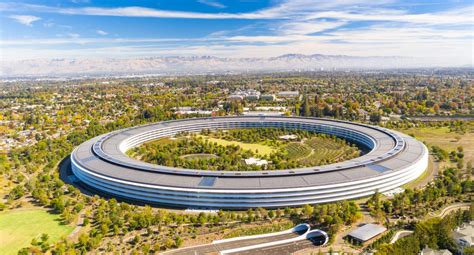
105 156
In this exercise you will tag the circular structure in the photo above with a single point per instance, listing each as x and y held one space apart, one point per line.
393 159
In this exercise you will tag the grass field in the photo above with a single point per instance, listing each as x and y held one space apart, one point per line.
18 228
445 139
258 148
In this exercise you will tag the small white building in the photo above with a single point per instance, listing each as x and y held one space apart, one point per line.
429 251
464 236
393 192
256 161
288 137
366 232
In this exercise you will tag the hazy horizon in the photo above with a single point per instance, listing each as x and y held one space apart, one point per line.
441 32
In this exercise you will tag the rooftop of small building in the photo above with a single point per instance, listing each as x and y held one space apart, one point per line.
367 232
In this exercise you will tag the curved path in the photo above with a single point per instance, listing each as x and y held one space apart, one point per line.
399 234
445 211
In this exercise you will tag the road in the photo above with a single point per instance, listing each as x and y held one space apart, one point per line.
217 247
283 249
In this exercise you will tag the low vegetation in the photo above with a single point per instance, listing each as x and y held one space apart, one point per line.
434 233
226 150
257 230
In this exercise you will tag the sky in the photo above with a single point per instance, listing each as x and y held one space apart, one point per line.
441 30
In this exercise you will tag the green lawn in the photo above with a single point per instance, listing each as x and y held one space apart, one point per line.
444 139
18 228
258 148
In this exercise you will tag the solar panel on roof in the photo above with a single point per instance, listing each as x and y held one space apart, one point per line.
207 181
89 158
378 168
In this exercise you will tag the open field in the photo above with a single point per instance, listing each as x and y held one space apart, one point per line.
442 137
18 228
257 148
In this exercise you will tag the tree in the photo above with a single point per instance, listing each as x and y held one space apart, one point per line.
308 210
306 107
375 117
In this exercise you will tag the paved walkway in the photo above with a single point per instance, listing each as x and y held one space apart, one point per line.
399 234
445 211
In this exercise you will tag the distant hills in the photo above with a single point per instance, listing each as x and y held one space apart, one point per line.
202 64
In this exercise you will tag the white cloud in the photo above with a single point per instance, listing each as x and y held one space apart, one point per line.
347 10
73 35
101 32
212 3
25 19
134 11
309 26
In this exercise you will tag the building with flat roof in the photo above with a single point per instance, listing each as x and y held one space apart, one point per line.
464 236
263 113
235 97
269 97
366 232
429 251
289 94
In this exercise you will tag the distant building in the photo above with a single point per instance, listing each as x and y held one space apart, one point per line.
252 97
262 113
366 232
288 94
235 97
190 110
249 94
429 251
464 236
268 97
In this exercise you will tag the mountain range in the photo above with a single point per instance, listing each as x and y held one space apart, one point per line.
201 65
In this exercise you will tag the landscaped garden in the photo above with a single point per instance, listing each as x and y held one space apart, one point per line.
264 149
